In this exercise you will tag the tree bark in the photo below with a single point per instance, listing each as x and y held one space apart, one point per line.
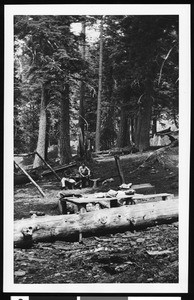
121 175
98 120
65 149
47 135
133 129
42 131
69 227
142 135
82 95
154 126
123 136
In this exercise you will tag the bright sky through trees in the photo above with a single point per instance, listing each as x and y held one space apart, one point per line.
92 33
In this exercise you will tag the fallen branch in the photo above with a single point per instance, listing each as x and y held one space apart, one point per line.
160 75
159 252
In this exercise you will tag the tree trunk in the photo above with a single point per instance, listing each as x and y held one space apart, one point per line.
154 126
133 129
137 128
123 136
69 227
121 175
65 150
47 135
82 95
98 123
42 131
142 136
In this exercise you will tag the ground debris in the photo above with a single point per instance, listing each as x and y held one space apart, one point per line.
159 252
19 273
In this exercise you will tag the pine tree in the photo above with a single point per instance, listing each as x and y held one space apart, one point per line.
98 123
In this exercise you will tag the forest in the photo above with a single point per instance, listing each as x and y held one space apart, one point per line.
71 89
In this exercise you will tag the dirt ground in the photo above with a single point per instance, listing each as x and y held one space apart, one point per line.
146 256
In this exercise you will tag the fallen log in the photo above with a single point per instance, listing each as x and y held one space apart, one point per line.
24 154
59 169
70 227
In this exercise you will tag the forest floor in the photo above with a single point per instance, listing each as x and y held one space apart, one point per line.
146 256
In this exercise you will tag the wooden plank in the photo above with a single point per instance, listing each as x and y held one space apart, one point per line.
145 188
142 185
84 200
164 196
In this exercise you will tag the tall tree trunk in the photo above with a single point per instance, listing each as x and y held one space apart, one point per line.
175 111
42 130
64 149
47 135
142 136
82 95
154 126
135 123
123 137
98 123
132 130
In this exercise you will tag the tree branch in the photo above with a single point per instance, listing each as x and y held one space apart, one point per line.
160 75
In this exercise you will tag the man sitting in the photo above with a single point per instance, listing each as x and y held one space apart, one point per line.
67 183
84 173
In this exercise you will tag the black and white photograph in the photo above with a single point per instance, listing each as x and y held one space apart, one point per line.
97 148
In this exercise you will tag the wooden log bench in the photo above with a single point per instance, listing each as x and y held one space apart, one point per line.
95 182
153 197
145 188
162 196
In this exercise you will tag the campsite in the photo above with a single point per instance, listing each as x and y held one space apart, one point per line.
146 255
96 149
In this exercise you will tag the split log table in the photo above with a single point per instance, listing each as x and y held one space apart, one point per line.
82 202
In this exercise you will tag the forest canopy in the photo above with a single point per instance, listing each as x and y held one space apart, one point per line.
112 89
